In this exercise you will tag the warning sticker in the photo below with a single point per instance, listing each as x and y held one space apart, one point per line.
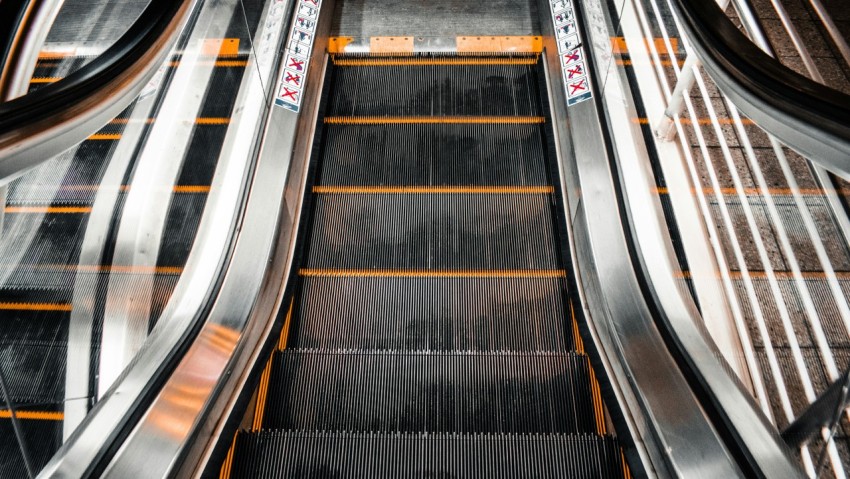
574 69
297 57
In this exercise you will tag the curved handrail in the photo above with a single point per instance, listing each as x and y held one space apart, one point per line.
50 120
805 115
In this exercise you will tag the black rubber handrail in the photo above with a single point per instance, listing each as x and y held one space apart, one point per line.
12 13
48 121
805 115
77 87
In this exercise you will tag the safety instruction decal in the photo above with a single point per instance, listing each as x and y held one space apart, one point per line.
296 57
571 51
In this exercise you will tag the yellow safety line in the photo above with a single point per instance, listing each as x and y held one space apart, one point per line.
65 307
176 188
191 189
37 415
416 61
598 408
284 333
433 189
228 460
262 394
198 121
217 63
48 209
105 137
579 343
45 79
429 120
627 473
432 273
96 268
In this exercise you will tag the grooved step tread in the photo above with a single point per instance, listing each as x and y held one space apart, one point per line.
283 454
430 392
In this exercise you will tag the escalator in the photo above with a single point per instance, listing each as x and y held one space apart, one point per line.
432 330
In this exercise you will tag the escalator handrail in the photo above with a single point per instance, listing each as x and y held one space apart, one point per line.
805 115
43 123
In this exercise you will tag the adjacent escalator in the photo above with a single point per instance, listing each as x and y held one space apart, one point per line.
433 327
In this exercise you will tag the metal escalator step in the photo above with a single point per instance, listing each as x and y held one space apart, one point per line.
435 90
43 438
33 355
450 231
430 392
437 154
436 314
280 454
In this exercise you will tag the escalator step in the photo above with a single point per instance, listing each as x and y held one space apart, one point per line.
279 454
438 154
429 392
457 231
436 314
435 90
42 438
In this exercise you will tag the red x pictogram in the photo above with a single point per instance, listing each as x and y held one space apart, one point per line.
292 78
289 93
572 56
578 86
314 2
575 71
296 64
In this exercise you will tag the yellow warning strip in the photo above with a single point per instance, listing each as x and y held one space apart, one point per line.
284 333
105 137
498 44
579 343
45 79
191 189
759 191
598 408
430 120
48 209
618 45
432 273
37 415
371 190
437 61
97 268
227 465
216 63
262 394
35 307
198 121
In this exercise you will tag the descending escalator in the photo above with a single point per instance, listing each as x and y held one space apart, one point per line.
432 329
45 277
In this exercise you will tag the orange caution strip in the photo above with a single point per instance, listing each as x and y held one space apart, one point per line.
37 415
191 189
220 47
105 137
338 44
428 120
579 343
198 121
395 45
284 333
39 80
48 209
227 465
627 473
432 273
97 268
432 61
62 307
618 45
433 189
262 394
499 44
598 407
